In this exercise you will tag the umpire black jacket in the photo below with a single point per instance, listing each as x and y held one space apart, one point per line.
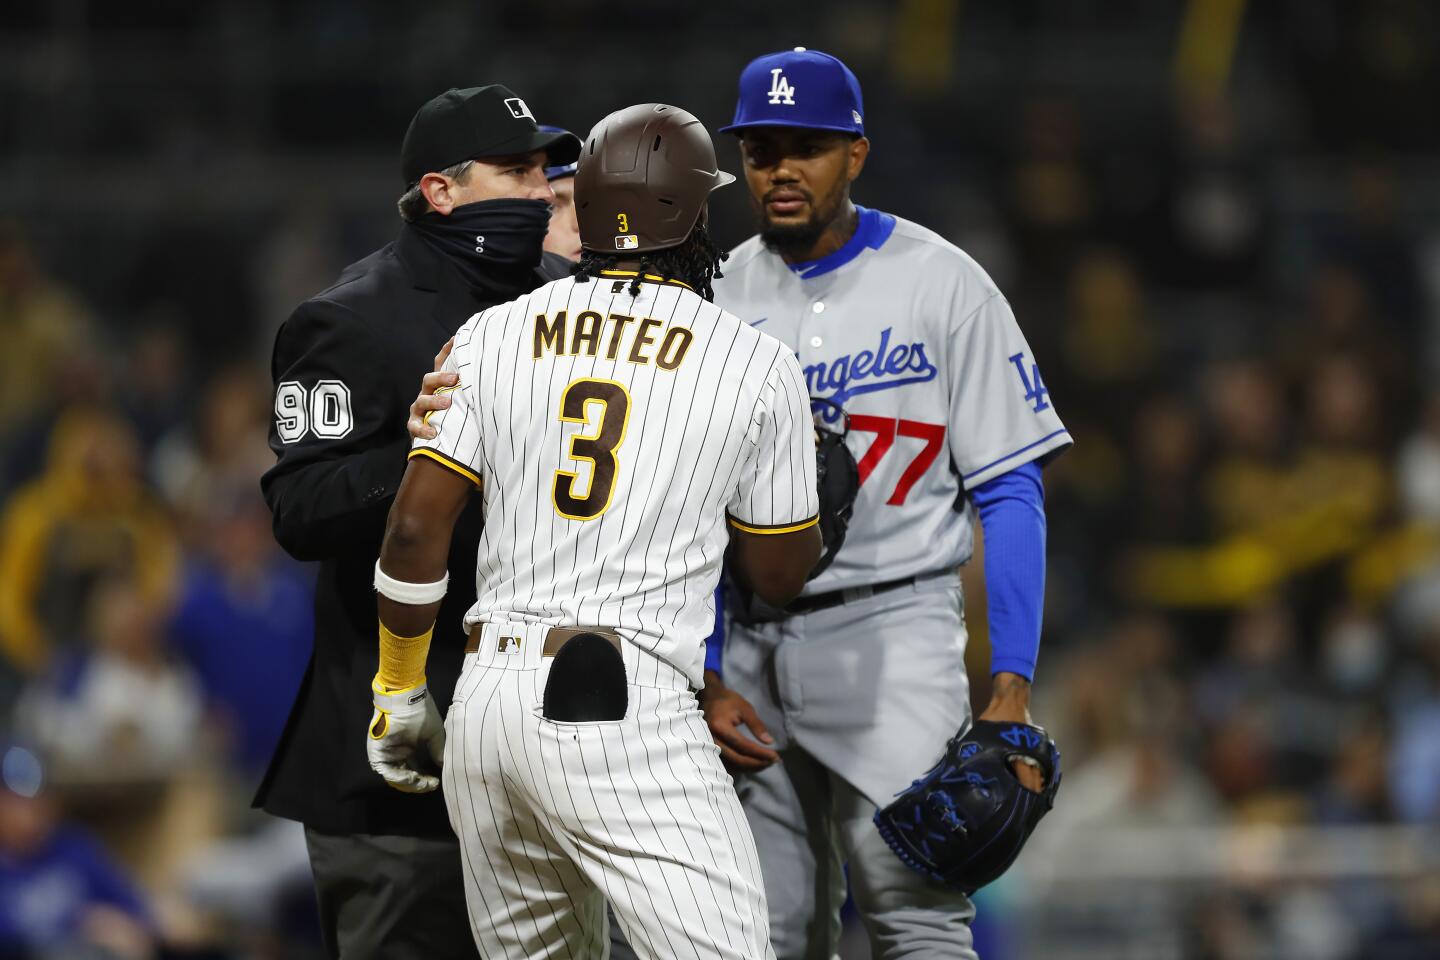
347 365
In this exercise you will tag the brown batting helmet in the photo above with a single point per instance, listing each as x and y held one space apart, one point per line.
644 177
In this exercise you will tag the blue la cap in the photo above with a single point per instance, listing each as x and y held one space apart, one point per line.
799 88
564 169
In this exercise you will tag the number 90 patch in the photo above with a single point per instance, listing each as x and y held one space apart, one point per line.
323 411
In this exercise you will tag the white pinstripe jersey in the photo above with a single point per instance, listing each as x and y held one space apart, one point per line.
914 340
611 434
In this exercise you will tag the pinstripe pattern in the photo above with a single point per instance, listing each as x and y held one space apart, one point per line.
727 430
558 819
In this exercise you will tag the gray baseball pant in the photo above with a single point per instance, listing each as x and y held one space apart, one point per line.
861 699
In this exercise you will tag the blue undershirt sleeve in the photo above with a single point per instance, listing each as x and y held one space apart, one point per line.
1012 516
716 641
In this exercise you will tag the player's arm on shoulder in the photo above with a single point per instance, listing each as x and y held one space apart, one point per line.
450 434
437 385
433 395
334 432
774 512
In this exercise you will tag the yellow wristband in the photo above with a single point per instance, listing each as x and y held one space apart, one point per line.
402 659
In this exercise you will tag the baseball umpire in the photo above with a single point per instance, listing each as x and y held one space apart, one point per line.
475 211
859 684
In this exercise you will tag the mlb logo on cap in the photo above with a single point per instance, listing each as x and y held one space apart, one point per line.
799 88
518 108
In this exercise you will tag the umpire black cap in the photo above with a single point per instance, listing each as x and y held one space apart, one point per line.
488 121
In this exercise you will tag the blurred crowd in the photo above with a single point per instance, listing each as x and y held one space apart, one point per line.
153 636
1243 614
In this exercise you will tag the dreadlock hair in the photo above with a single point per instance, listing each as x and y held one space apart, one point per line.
695 260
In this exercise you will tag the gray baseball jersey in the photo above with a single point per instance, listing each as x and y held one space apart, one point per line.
914 340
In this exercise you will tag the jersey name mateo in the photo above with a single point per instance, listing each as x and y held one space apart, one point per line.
636 340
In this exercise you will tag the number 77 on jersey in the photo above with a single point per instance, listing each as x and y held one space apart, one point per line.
886 429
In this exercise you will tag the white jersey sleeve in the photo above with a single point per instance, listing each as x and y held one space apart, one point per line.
1000 411
458 444
777 489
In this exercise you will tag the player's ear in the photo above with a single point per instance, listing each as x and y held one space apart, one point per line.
859 150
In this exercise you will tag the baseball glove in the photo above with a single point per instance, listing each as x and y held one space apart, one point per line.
838 477
965 821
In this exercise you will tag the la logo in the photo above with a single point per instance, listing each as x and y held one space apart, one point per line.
1035 388
780 89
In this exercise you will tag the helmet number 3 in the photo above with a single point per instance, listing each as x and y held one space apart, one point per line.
623 221
577 404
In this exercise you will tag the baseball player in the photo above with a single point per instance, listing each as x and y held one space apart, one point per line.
621 430
563 237
860 682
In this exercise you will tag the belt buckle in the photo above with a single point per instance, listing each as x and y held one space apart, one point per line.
556 637
851 594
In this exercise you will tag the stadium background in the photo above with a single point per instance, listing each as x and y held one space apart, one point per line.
1216 221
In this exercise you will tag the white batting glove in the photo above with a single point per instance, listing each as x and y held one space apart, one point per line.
405 722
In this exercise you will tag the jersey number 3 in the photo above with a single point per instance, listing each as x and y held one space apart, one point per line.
597 448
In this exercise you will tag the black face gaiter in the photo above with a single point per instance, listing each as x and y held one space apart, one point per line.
492 242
